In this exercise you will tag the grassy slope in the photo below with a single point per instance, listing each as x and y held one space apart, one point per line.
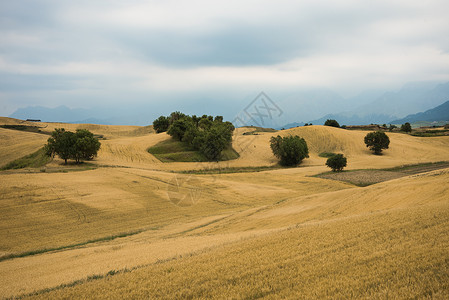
33 160
171 150
16 144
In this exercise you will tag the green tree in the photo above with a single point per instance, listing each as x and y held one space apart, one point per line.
336 162
332 123
61 143
179 128
291 150
376 141
86 145
161 124
191 132
406 127
214 142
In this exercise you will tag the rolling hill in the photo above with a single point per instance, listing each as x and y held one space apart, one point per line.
131 226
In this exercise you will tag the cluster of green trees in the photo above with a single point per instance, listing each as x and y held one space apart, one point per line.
406 127
332 123
79 145
206 134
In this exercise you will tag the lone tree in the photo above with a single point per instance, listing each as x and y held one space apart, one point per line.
376 141
81 145
332 123
406 127
291 150
336 162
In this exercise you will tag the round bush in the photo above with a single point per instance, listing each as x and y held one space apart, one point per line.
336 162
291 150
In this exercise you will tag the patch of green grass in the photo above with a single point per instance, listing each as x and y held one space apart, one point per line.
258 129
419 168
40 251
231 170
175 151
27 128
326 154
430 133
229 154
33 160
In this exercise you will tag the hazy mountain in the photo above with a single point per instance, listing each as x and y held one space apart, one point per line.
291 125
375 107
298 107
58 114
439 113
64 114
353 119
412 98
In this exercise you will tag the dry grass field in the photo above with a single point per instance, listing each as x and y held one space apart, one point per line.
130 226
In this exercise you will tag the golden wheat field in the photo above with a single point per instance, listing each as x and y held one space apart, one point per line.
130 226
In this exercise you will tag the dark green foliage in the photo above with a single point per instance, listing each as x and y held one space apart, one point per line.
392 127
86 145
332 123
81 145
406 127
376 141
336 162
176 116
161 124
216 139
291 150
179 127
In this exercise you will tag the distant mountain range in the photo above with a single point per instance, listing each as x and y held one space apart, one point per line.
76 115
298 107
439 113
354 119
386 108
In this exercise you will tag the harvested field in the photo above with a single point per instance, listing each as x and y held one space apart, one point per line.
368 177
127 225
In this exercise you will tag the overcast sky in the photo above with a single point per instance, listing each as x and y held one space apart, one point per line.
87 53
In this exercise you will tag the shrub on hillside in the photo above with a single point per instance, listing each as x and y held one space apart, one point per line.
291 150
332 123
406 127
376 141
336 162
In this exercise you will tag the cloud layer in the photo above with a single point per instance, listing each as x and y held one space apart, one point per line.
81 53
